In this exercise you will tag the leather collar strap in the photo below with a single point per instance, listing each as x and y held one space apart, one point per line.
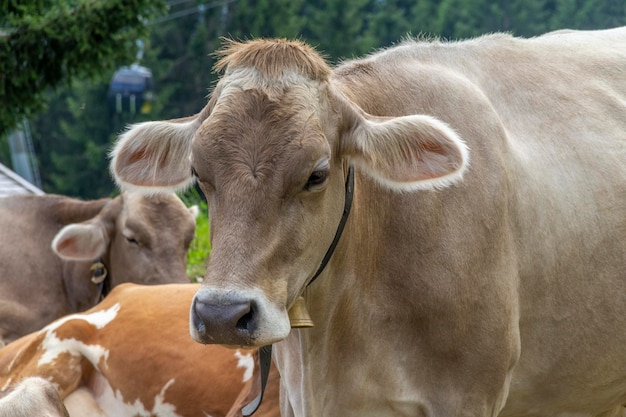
265 352
342 223
265 359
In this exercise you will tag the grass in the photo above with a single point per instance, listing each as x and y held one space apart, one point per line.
201 245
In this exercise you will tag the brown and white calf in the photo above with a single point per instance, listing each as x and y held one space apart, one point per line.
482 268
48 244
132 355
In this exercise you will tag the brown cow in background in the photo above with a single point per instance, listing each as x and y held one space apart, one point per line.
131 238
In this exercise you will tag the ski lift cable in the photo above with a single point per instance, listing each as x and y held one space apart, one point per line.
186 12
177 2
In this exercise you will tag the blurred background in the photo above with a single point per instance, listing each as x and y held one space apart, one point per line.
74 73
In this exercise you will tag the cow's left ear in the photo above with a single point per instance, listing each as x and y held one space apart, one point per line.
405 153
154 156
81 241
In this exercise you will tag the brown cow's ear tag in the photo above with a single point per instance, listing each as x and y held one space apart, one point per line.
98 272
298 315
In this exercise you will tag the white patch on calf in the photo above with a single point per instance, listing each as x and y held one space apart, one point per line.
160 407
54 346
113 404
246 361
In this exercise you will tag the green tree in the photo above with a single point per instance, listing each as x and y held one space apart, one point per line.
390 21
265 18
46 43
606 14
588 14
422 15
337 27
179 53
73 138
80 150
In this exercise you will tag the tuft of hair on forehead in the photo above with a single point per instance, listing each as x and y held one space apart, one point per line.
271 57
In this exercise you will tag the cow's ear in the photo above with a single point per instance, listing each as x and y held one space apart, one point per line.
81 241
405 153
154 156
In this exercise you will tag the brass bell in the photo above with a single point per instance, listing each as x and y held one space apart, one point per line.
298 315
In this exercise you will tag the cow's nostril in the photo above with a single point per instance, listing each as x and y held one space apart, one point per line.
196 319
245 322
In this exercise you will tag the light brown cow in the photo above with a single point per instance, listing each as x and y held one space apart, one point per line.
490 287
132 355
138 239
32 397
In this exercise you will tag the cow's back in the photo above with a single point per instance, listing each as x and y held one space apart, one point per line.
31 274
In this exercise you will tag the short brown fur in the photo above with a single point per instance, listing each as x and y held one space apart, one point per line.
272 57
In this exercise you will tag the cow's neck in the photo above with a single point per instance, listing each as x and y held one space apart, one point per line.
349 196
308 356
289 357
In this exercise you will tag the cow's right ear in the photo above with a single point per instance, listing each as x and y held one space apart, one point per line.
154 156
81 241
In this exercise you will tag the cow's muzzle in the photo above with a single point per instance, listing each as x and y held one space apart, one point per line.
228 323
235 319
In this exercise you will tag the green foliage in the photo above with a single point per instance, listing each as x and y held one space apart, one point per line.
388 22
201 245
337 27
82 142
266 18
44 44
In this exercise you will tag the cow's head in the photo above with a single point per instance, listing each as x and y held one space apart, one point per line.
140 238
271 152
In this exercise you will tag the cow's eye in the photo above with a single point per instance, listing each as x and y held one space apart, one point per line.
131 240
316 179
